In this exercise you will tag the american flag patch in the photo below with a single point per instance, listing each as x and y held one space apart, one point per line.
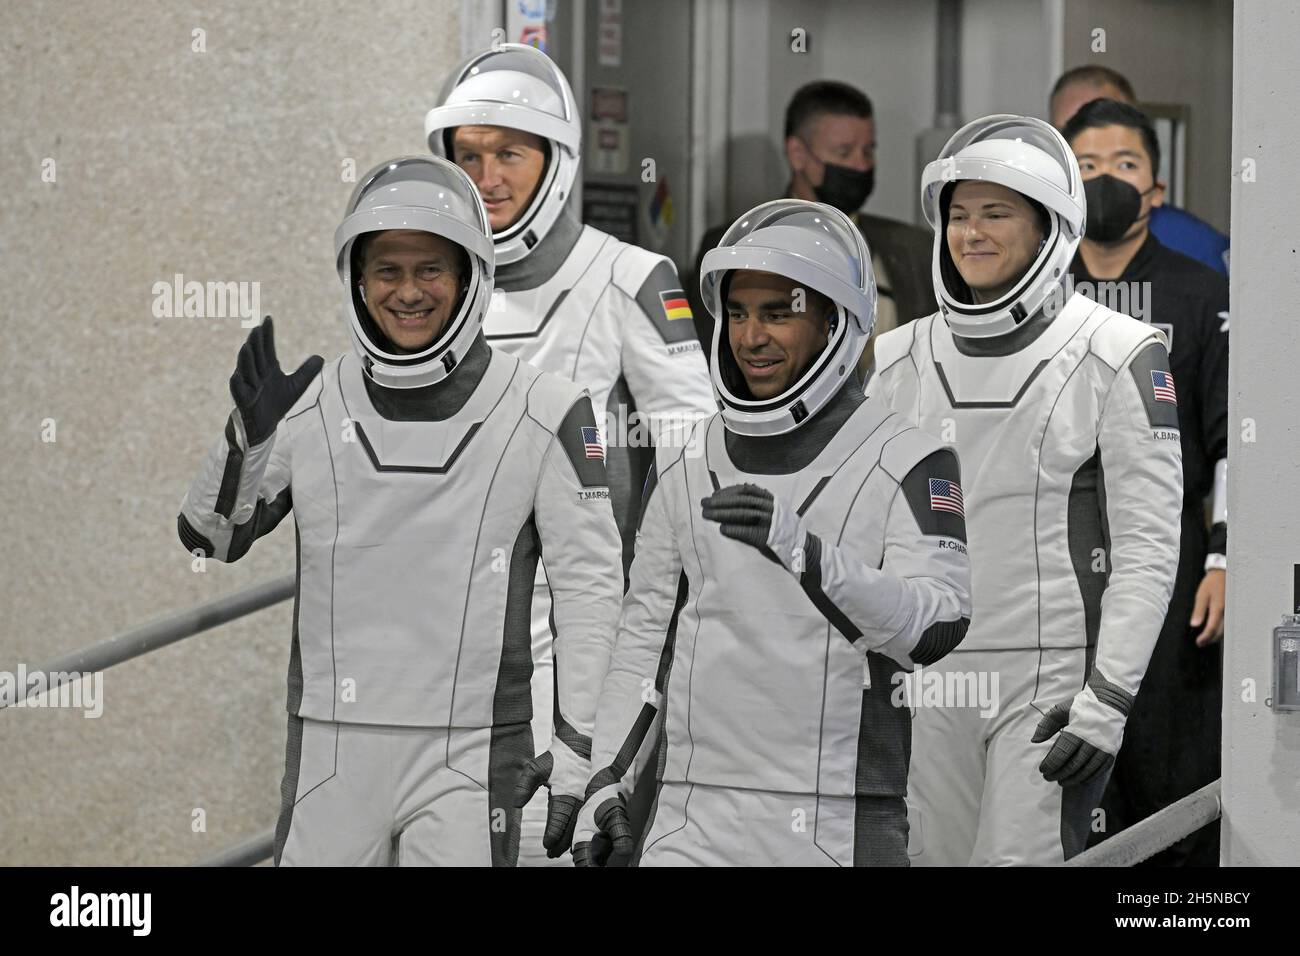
1163 384
591 441
945 495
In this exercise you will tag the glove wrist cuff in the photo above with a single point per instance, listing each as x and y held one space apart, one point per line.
1099 723
1111 694
246 428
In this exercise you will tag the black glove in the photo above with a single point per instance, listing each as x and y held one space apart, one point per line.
561 809
1072 760
744 511
752 515
613 835
263 393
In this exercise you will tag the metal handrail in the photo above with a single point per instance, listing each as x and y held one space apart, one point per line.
159 633
1133 845
250 852
1157 832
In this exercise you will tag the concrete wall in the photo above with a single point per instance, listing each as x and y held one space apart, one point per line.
1261 749
1173 52
221 165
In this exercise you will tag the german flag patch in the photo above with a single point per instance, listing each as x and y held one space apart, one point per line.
675 304
664 302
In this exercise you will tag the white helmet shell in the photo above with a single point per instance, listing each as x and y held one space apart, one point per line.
520 87
428 194
1032 158
819 247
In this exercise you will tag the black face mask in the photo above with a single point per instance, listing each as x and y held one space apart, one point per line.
844 188
1113 207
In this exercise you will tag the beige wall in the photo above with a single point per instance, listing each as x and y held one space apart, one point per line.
223 165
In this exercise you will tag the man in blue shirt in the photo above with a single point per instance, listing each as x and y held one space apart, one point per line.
1174 228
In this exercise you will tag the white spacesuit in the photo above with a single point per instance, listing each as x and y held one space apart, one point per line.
1064 416
424 487
577 302
765 629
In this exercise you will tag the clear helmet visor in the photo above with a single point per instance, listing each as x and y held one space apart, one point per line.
517 87
1007 126
512 75
422 194
1021 153
418 192
810 243
1028 157
817 248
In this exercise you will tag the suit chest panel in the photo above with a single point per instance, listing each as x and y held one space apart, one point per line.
569 315
366 483
842 498
1013 432
765 681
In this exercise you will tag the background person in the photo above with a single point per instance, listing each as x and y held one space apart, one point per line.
830 146
1176 228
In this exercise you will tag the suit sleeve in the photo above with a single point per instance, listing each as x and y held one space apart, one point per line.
916 607
240 494
1141 460
632 700
1212 394
582 556
663 361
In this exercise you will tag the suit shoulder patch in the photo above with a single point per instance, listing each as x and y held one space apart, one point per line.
581 442
664 302
1155 383
933 491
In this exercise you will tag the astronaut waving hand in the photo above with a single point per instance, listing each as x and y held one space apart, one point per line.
426 473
